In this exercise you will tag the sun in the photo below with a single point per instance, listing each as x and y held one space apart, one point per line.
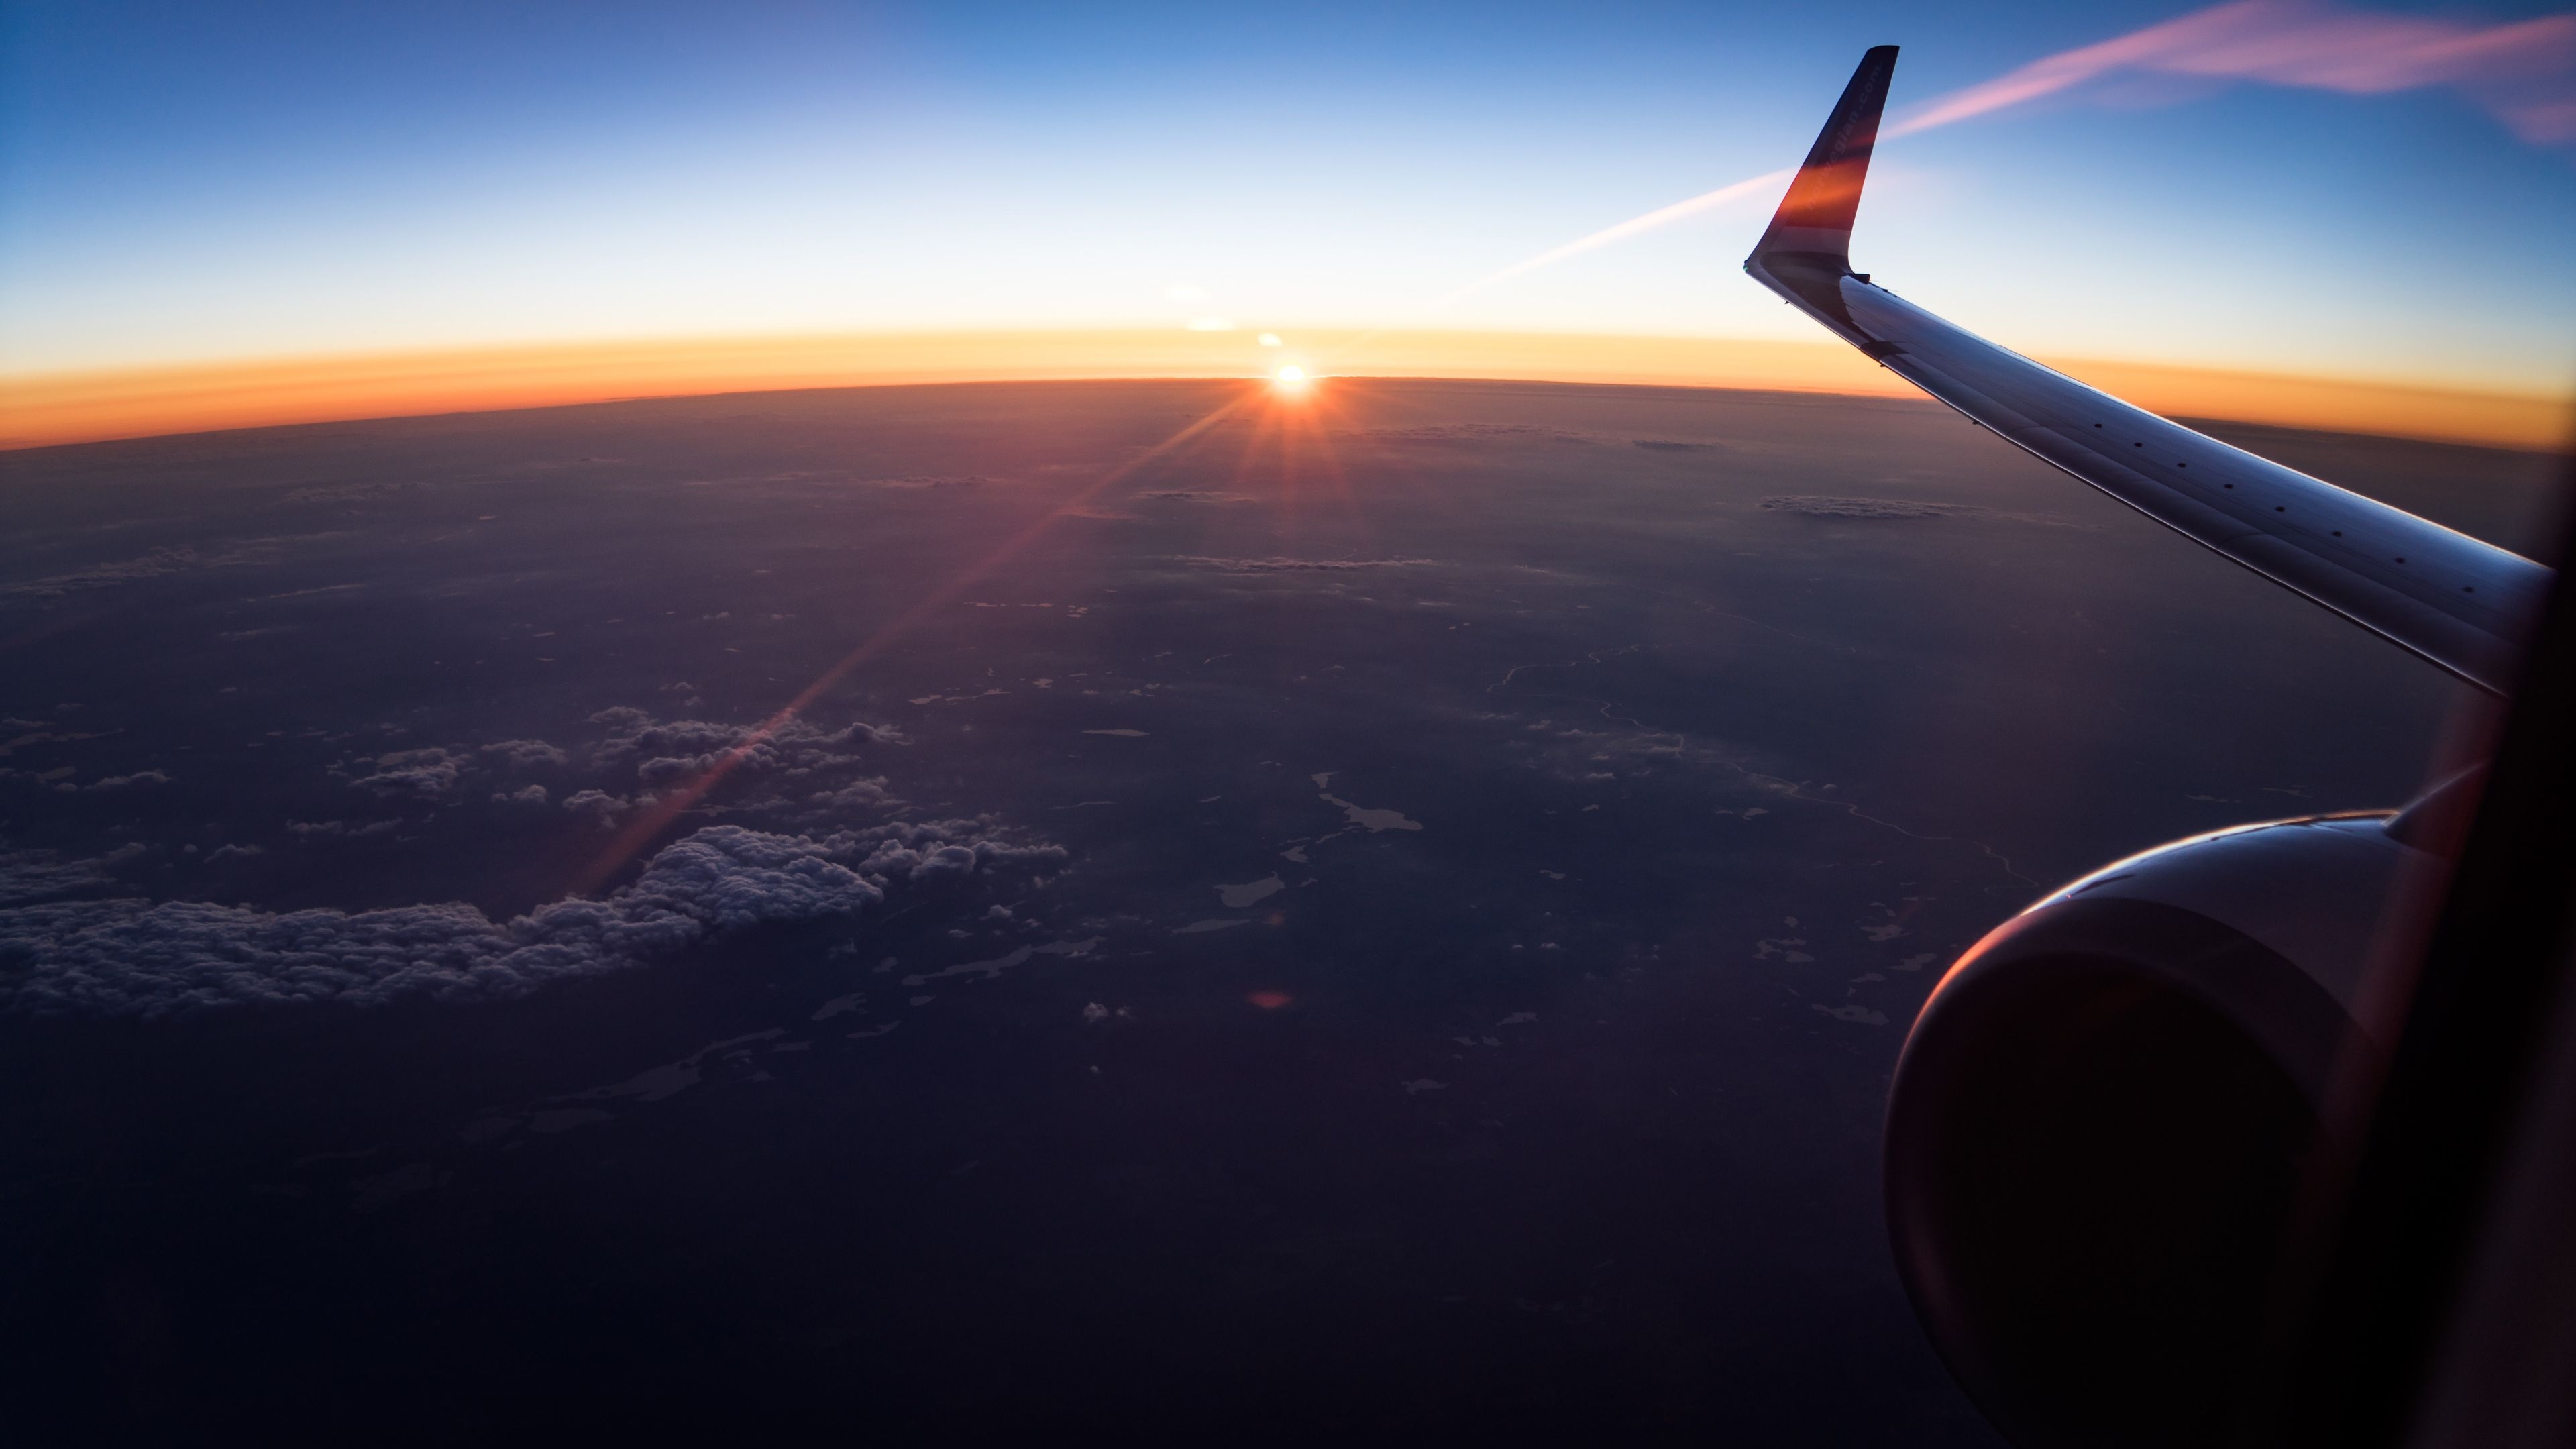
1291 378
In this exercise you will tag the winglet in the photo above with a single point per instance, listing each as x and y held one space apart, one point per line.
1816 216
2462 604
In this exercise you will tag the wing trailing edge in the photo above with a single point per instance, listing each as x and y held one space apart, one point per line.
2463 604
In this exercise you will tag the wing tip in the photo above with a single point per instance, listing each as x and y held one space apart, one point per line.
1816 216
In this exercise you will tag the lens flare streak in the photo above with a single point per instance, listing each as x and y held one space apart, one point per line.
647 824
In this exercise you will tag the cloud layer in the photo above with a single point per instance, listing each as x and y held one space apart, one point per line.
670 750
128 957
421 774
27 875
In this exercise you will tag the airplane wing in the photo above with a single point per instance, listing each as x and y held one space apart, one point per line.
2462 604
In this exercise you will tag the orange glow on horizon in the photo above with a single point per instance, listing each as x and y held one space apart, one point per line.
40 409
1270 1000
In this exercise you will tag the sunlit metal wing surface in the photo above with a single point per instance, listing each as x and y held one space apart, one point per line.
2460 603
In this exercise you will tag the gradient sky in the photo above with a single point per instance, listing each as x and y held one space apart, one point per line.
186 182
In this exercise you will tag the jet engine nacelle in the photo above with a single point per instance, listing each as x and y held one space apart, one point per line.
2103 1114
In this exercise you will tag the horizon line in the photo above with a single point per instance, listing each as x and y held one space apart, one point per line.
125 403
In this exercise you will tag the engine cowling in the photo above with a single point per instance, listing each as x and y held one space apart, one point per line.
2104 1113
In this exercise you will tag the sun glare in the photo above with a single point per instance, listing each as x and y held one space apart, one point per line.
1292 378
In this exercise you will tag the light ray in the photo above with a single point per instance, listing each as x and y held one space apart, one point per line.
646 824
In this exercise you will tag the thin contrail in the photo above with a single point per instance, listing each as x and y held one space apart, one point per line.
1705 201
2518 72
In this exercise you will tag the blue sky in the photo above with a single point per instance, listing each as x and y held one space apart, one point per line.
188 182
